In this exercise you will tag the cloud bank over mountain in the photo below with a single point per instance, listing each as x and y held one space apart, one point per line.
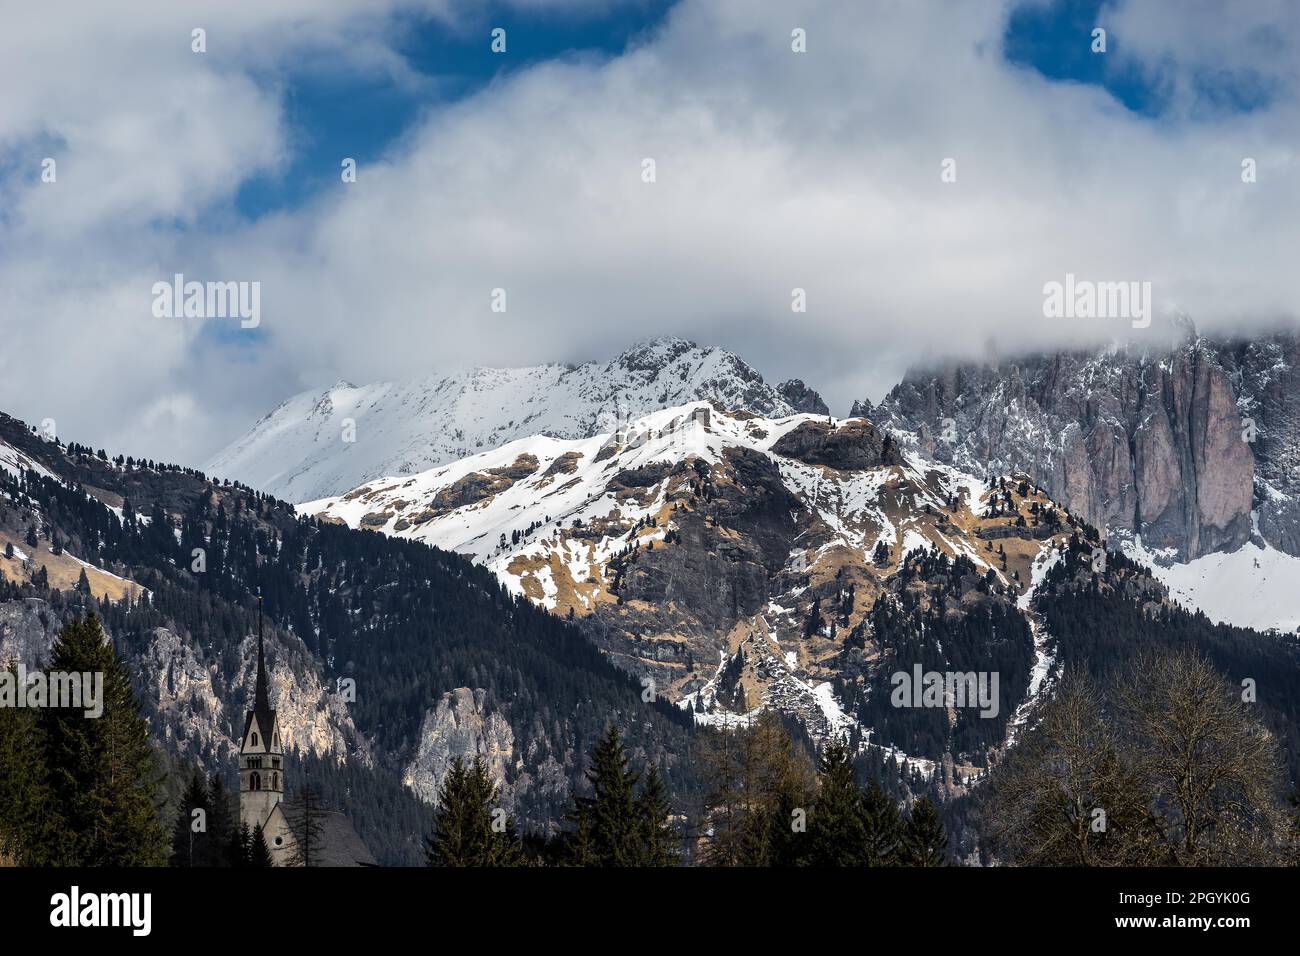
774 170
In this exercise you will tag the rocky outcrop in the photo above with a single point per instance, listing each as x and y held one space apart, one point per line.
802 398
313 716
461 725
189 712
192 708
1150 444
27 631
852 446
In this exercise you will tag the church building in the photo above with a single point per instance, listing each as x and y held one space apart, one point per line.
262 769
261 766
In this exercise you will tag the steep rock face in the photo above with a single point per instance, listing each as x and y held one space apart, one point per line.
313 716
186 696
1149 444
27 632
1266 373
317 443
461 725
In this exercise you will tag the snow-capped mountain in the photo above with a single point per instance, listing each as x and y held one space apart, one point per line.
739 561
324 443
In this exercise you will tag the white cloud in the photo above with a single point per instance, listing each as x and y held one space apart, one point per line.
775 170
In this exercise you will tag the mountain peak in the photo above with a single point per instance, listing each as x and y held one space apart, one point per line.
302 451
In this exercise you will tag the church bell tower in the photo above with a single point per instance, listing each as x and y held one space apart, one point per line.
261 761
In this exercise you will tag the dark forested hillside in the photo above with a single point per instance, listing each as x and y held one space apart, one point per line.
1100 621
405 622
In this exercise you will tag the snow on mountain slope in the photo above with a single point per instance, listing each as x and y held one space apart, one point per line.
519 505
16 462
300 451
1255 586
729 558
542 483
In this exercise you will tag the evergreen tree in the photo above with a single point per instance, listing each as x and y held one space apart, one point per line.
469 829
29 824
258 852
578 848
221 823
102 770
836 827
238 848
882 826
191 846
924 841
659 841
611 812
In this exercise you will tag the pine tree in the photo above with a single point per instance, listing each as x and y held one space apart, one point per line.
469 828
221 823
258 852
577 848
103 770
882 825
190 847
924 841
836 828
238 848
29 824
610 814
659 841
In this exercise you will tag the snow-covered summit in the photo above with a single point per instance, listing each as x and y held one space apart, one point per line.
321 443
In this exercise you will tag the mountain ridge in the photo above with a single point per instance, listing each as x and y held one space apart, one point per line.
319 443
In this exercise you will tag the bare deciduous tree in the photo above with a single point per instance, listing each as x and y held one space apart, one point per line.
1168 767
1065 796
1213 769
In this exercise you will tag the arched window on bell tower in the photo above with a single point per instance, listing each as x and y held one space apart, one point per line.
254 782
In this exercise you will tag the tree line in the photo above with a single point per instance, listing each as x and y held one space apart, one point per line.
767 805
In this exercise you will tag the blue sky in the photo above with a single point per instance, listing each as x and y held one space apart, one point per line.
332 115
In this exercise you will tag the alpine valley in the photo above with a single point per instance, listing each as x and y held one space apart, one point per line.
504 561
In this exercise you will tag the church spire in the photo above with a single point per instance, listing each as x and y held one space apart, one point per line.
262 697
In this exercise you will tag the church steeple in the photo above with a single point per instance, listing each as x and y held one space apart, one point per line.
261 695
261 755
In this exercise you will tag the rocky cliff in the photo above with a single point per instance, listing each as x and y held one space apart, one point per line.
1179 446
